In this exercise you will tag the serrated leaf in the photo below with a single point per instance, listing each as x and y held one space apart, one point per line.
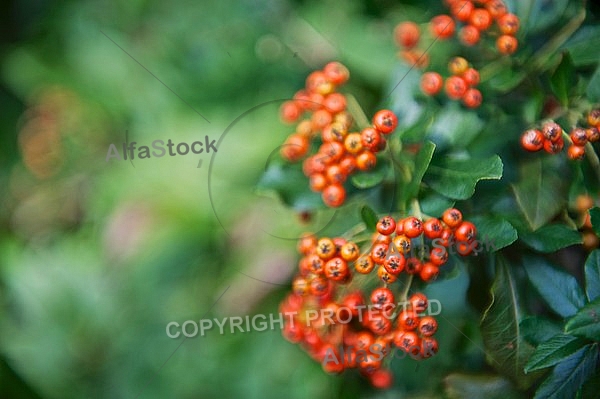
570 374
459 386
456 178
586 323
372 177
494 232
559 289
551 238
593 89
283 180
592 275
422 161
537 329
537 193
553 351
506 349
369 216
595 219
563 79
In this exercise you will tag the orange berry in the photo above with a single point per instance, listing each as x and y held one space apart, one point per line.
295 147
366 160
407 34
442 26
471 77
334 195
455 87
507 44
462 10
509 24
290 112
431 83
469 35
576 152
472 98
458 65
336 73
481 19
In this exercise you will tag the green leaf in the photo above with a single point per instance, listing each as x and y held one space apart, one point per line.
593 89
563 79
373 177
494 232
595 219
583 46
551 238
544 14
422 161
369 216
558 288
283 179
506 349
553 351
570 374
586 323
592 275
537 329
456 178
455 127
459 386
435 204
537 194
404 84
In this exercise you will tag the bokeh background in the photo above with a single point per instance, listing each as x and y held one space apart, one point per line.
97 257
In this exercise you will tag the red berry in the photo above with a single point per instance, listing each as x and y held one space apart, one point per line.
382 296
576 152
471 77
334 195
472 98
385 121
455 87
413 227
466 232
469 35
554 147
481 19
336 73
431 83
382 379
442 26
386 225
578 136
433 228
407 34
532 140
508 24
452 217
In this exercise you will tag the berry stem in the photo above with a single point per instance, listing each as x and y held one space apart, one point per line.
357 112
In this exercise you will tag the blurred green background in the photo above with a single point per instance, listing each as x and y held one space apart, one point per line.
97 257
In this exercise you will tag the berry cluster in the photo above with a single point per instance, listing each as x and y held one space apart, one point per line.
341 152
393 245
342 326
476 17
550 137
461 85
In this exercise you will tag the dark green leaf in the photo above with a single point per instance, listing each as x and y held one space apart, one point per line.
494 232
459 386
592 275
586 323
593 89
569 375
454 126
537 329
422 161
283 179
373 177
506 349
551 238
595 219
553 351
563 79
404 85
456 178
369 216
583 46
544 13
558 288
537 194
